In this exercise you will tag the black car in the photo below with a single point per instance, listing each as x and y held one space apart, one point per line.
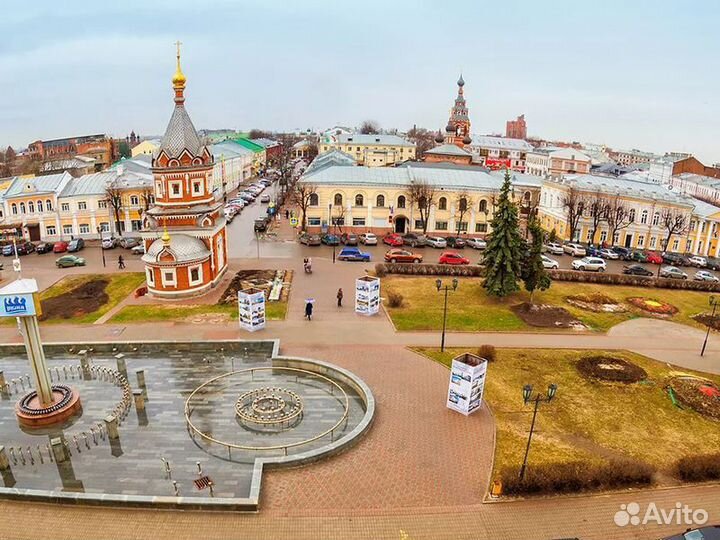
624 253
261 225
455 242
674 259
637 270
713 263
44 247
711 532
24 248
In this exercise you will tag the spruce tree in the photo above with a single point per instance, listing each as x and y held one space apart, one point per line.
533 272
504 247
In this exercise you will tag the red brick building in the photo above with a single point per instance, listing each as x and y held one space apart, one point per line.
516 129
100 147
694 166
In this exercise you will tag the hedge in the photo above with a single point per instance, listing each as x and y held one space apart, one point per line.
633 281
698 468
414 269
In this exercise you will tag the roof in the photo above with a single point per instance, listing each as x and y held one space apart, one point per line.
77 162
183 247
563 153
229 149
449 150
372 140
699 179
443 165
502 143
89 184
247 143
330 158
623 186
180 134
37 184
265 143
702 208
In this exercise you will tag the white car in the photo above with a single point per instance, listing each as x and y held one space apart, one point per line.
547 262
595 264
704 275
698 261
477 243
368 239
606 253
237 202
436 242
138 250
576 250
555 249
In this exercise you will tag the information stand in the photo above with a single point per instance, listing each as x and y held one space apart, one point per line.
467 381
251 303
367 295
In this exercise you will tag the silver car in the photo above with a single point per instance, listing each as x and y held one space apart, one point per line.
368 239
436 242
554 249
476 243
576 250
672 272
704 275
547 262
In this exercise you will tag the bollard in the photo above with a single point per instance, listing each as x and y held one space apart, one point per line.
211 485
4 461
84 360
140 373
177 489
2 379
121 365
139 397
111 426
199 467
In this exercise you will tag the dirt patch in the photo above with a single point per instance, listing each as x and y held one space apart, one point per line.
700 395
77 302
259 279
546 316
708 320
653 306
596 302
208 318
610 369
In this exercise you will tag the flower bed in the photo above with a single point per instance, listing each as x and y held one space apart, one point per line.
650 305
700 395
596 302
708 320
610 369
547 316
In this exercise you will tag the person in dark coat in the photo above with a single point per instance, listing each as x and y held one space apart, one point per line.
121 263
339 297
287 214
308 310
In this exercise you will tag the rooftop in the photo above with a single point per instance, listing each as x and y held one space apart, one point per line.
370 140
503 143
330 158
448 150
624 187
180 135
37 184
247 143
265 143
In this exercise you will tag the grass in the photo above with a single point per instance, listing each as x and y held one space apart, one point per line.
587 421
470 309
274 311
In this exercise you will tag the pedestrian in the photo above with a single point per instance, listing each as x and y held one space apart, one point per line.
339 297
308 310
121 263
287 214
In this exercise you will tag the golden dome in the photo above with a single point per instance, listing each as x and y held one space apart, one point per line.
166 235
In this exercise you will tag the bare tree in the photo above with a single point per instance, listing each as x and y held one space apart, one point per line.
113 192
618 216
597 208
259 134
302 195
423 140
369 127
574 203
674 221
337 219
147 197
422 196
461 208
283 161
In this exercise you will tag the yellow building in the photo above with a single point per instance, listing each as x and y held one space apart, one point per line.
145 148
371 150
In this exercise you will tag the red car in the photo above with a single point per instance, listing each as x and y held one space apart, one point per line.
393 239
60 247
449 257
654 258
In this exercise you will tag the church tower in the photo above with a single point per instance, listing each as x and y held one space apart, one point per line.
457 131
185 233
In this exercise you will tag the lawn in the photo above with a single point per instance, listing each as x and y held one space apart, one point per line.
274 311
470 309
592 421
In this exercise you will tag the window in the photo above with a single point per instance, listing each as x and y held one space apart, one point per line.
134 201
84 228
603 236
175 190
13 208
67 229
150 274
359 200
31 207
48 205
442 203
197 188
65 207
22 207
401 201
50 230
313 199
653 242
340 221
135 225
616 238
462 226
643 216
631 215
676 244
104 226
441 225
656 218
358 222
40 206
641 241
419 224
102 204
168 277
314 221
462 204
82 205
481 227
688 245
337 200
482 207
380 201
702 229
195 274
588 237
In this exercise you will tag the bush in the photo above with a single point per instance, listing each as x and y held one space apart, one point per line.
487 352
412 269
395 300
380 270
633 281
698 468
577 476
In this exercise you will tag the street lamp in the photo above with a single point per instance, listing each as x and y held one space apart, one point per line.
714 301
538 398
99 231
446 288
331 222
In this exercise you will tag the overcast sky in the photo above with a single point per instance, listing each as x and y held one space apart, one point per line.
640 74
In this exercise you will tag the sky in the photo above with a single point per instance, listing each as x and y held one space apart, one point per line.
629 74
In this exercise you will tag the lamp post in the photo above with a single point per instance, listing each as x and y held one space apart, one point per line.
714 301
446 288
99 231
331 222
538 398
257 241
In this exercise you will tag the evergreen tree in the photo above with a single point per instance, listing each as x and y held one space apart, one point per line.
504 247
533 272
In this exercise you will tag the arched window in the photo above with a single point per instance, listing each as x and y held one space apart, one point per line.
401 201
13 208
380 201
483 206
656 218
643 216
631 215
337 201
526 197
31 207
40 206
462 204
359 200
48 205
314 200
442 203
22 207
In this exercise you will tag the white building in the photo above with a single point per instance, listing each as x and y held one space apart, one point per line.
499 152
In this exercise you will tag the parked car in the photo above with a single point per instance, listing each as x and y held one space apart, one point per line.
109 242
349 239
75 244
402 256
607 253
637 270
654 258
436 242
704 275
25 248
672 272
353 254
310 239
330 240
713 263
674 259
368 239
265 199
547 262
414 240
576 250
476 243
128 242
44 247
393 239
595 264
554 248
696 260
8 250
138 250
623 253
261 224
711 532
450 257
69 260
237 202
59 247
592 251
455 242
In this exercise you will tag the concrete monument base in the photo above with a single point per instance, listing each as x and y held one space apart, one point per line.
31 414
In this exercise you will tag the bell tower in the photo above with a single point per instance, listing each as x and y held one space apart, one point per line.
457 131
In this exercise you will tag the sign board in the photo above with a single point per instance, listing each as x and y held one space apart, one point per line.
467 382
367 295
251 305
294 221
18 299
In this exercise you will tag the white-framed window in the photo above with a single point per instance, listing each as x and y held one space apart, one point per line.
22 207
641 241
313 200
197 188
643 217
31 207
418 224
134 201
656 218
676 244
653 242
603 236
169 279
631 215
104 226
65 207
13 208
135 225
48 205
176 190
102 204
40 207
67 229
84 228
314 221
688 245
50 230
195 276
463 225
150 276
82 205
588 237
441 225
442 203
481 227
358 222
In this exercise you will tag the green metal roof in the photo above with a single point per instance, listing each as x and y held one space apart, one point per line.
249 144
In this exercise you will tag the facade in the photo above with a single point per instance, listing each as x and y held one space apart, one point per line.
185 233
233 165
498 153
448 153
259 154
146 147
371 150
692 165
705 188
550 161
30 203
272 148
302 149
516 129
631 157
76 166
360 199
101 147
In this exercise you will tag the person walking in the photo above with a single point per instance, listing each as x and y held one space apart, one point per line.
308 310
121 262
339 297
287 214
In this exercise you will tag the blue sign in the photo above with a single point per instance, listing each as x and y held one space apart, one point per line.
17 305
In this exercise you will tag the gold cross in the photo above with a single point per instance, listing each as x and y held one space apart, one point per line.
177 45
